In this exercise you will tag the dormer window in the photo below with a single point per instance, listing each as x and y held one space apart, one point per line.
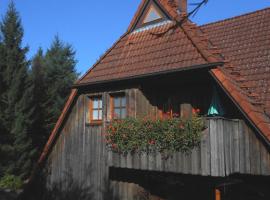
152 15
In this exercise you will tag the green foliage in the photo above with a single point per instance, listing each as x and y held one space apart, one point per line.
27 97
11 182
60 74
31 99
148 135
15 118
52 76
37 76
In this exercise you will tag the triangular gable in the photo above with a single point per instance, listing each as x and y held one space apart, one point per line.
153 11
153 14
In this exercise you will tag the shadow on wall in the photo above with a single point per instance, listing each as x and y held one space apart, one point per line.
8 195
66 189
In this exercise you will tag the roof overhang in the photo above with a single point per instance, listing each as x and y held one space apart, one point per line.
149 75
227 88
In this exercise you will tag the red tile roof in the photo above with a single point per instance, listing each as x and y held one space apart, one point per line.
245 42
242 42
164 48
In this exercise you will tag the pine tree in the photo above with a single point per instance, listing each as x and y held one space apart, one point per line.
39 135
17 98
4 136
60 75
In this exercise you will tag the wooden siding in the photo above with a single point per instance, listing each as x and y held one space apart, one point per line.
80 153
227 147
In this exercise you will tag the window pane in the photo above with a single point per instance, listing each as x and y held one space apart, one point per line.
95 103
123 113
100 103
95 115
116 113
116 101
152 16
124 102
100 114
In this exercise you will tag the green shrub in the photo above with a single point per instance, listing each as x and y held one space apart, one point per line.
147 135
11 182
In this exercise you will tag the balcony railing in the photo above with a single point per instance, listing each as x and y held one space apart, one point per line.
227 147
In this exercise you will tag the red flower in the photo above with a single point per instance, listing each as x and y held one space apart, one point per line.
196 111
175 115
114 146
108 141
181 126
152 142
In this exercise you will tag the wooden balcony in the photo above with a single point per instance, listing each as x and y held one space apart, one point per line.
227 147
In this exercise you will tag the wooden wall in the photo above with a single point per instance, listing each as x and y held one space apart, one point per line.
80 153
228 147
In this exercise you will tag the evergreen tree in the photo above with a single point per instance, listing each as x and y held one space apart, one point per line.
60 75
39 135
16 98
4 137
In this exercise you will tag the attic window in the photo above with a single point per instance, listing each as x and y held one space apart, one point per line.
152 15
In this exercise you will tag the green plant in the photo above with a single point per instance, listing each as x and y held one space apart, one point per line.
149 135
11 182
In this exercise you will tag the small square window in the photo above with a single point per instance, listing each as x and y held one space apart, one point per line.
118 107
96 109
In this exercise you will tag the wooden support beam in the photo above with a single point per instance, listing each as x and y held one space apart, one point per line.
218 194
229 183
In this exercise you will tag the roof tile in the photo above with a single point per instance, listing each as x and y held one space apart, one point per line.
146 51
245 41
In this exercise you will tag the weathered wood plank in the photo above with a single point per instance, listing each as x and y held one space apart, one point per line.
265 160
205 152
220 147
241 147
214 148
228 131
255 156
236 148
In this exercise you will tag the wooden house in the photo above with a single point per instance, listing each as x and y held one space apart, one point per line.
164 64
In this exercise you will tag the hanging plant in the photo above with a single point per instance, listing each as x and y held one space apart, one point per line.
148 135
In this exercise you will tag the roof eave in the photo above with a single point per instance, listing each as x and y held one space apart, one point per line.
246 115
193 67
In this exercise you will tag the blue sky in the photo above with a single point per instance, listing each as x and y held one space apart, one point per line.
93 26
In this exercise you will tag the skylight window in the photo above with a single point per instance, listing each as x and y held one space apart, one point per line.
152 15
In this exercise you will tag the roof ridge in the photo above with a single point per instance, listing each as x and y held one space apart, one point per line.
235 17
200 42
